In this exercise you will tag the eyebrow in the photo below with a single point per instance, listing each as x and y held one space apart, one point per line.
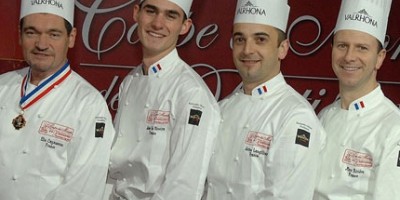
48 31
255 34
171 12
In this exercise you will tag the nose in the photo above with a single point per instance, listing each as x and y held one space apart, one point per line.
158 21
42 42
350 55
248 47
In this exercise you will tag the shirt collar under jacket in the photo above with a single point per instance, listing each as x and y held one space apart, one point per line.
267 87
164 65
366 102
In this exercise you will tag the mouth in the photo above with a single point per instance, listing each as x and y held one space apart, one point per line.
350 68
40 54
155 35
250 61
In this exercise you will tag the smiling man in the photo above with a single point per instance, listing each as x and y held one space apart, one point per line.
167 118
55 128
362 158
270 138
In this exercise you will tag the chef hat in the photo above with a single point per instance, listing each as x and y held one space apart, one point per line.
184 4
268 12
369 16
62 8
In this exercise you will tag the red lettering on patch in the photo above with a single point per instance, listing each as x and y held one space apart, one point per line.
158 117
56 130
259 140
357 159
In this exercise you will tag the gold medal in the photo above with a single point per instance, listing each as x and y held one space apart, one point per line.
19 122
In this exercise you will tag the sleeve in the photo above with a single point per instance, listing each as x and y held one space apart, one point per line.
191 145
88 155
295 157
388 171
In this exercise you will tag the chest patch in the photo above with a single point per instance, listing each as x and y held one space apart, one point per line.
158 117
357 159
57 131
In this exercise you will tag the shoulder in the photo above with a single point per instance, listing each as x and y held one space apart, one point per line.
13 76
84 90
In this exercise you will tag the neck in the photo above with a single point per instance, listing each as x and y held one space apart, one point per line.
150 58
348 95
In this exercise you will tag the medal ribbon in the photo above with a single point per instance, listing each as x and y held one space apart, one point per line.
44 88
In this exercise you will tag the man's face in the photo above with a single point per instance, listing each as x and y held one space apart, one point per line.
256 52
356 60
160 22
45 42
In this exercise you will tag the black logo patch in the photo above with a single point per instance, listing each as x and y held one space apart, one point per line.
100 129
303 137
398 160
195 117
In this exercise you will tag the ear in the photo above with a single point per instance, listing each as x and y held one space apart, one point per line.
136 10
380 59
71 38
283 49
187 24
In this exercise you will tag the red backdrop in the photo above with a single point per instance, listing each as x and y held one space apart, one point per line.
107 47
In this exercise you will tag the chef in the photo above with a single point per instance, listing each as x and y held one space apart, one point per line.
270 138
362 158
55 128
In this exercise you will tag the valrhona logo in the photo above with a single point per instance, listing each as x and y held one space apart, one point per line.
361 16
250 9
47 2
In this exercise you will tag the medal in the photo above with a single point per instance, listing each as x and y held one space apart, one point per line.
28 99
19 122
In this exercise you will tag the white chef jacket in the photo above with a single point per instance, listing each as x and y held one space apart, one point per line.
166 124
57 155
268 146
362 157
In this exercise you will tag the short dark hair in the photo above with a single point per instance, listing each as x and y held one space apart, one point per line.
281 36
68 25
185 17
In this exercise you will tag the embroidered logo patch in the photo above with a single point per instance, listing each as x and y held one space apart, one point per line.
56 131
357 159
260 140
195 117
302 137
100 126
157 117
398 160
257 144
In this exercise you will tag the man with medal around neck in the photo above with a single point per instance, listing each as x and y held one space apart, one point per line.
167 118
55 128
270 138
362 156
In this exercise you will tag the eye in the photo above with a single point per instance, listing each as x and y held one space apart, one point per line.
363 48
261 40
150 10
341 46
172 16
238 40
55 35
30 33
